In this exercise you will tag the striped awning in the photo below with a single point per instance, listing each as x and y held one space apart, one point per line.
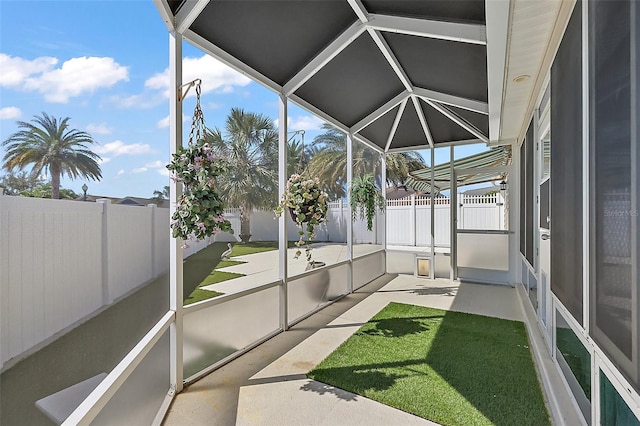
420 180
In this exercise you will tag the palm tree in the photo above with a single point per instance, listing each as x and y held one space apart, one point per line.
250 145
329 162
52 147
160 196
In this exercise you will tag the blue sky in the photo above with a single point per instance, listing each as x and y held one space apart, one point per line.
106 69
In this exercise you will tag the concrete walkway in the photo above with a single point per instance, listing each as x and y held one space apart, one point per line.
268 386
262 268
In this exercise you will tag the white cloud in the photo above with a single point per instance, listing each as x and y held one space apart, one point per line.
144 100
15 70
164 172
164 123
104 160
215 76
9 113
120 172
153 165
75 77
116 148
99 129
306 122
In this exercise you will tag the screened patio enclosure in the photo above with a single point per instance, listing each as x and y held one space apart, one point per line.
360 67
515 75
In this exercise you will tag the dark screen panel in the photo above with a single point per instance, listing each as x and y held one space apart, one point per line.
529 205
615 211
566 169
545 195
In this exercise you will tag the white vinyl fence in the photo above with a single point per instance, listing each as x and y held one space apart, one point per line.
264 226
408 221
61 261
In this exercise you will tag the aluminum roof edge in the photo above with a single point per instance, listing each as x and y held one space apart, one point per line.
165 13
497 15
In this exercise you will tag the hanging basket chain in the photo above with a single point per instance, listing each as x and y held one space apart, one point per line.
198 128
199 209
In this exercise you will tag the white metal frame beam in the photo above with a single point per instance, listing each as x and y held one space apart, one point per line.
349 222
452 31
188 13
383 46
436 145
379 112
165 14
423 120
282 222
456 101
497 19
391 58
91 406
175 191
396 122
231 61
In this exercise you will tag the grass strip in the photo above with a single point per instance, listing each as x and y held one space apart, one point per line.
242 249
449 367
201 268
227 263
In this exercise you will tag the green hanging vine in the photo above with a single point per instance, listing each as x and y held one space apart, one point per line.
365 199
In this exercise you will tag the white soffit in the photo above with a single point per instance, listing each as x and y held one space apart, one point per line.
532 26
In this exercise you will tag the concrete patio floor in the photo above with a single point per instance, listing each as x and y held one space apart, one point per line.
268 385
261 268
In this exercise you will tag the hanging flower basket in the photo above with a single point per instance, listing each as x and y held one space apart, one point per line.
307 205
199 210
305 211
365 199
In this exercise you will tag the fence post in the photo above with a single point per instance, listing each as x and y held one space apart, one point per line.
153 239
106 296
413 219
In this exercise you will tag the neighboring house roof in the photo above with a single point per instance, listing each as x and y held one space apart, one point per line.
482 191
94 198
397 192
128 201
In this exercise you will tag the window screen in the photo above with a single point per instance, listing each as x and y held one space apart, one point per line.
566 169
544 204
526 195
530 195
612 142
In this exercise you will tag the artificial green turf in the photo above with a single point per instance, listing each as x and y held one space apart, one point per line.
199 265
200 269
219 276
241 249
449 367
214 277
199 295
227 263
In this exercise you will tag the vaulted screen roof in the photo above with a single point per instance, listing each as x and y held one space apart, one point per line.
396 74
